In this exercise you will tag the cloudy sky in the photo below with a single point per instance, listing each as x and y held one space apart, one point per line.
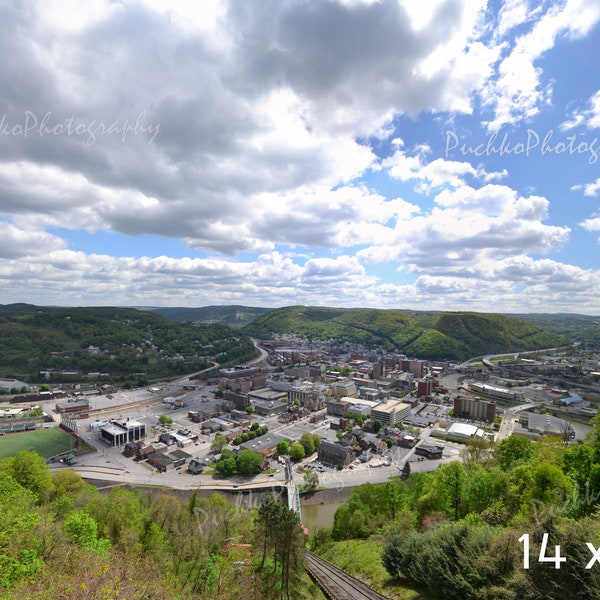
393 153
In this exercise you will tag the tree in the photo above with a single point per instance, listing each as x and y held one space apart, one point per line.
405 471
311 481
279 544
29 469
218 443
165 420
282 448
452 478
308 443
82 529
249 462
226 466
514 449
297 451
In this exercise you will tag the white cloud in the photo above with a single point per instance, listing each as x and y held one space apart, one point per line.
469 229
518 92
589 117
434 174
592 224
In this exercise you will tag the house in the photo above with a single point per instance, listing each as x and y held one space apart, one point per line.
335 455
195 466
432 451
160 462
179 457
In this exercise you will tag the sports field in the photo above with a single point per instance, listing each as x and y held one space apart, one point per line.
46 442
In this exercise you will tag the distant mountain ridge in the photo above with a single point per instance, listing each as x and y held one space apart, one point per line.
233 315
432 335
121 342
427 334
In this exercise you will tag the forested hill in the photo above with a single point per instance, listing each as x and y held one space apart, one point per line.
233 315
120 342
433 335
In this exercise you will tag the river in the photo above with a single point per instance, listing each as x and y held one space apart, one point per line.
317 516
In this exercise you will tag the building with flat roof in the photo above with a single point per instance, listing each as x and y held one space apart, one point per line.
119 433
474 408
496 392
390 412
463 431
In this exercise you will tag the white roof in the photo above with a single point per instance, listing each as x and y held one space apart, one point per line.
464 430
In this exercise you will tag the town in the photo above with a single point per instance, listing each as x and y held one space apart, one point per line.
342 413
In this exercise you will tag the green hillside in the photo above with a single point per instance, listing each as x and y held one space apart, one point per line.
584 329
117 341
434 335
233 315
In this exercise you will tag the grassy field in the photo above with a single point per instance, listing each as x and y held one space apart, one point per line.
46 442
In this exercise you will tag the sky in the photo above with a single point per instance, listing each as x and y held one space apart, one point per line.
439 155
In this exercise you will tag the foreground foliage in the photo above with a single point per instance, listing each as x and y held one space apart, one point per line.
459 531
62 538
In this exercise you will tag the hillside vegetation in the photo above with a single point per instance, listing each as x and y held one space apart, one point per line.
433 335
233 315
584 329
63 539
117 341
467 530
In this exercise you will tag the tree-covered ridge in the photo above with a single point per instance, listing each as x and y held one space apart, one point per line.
117 341
579 328
232 315
433 335
456 531
62 539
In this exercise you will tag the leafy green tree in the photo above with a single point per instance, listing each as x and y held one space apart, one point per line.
311 481
297 451
514 449
226 466
398 554
219 442
165 420
452 479
83 530
308 443
282 448
249 462
29 469
280 541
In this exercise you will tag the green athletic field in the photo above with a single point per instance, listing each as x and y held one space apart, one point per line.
46 442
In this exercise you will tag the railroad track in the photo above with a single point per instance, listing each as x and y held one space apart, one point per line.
337 584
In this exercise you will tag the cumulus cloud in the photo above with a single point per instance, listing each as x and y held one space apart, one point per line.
518 91
467 229
258 134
